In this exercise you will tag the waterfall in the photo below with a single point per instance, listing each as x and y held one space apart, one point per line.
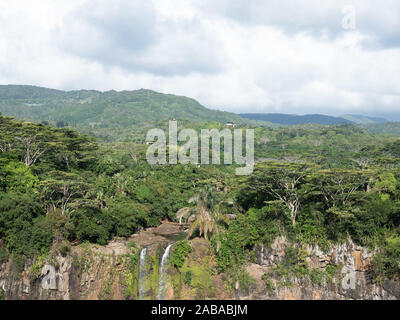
142 272
161 282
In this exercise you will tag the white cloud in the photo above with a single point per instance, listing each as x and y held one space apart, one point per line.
244 56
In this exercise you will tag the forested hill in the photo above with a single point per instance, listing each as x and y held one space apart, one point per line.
360 119
291 119
103 109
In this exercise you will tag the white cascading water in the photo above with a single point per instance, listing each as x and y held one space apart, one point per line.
142 278
161 282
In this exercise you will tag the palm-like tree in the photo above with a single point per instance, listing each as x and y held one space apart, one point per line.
207 215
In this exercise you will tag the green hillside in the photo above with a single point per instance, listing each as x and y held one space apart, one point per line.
360 119
103 109
386 129
292 119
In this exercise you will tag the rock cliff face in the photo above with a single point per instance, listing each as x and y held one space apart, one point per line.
111 272
352 279
88 271
82 274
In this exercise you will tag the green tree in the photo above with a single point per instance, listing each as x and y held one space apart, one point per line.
127 216
277 183
18 177
339 187
64 190
22 224
207 213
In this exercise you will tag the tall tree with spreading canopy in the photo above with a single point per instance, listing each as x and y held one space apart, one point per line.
276 182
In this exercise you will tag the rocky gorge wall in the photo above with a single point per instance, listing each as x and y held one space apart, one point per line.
352 276
111 272
87 271
82 274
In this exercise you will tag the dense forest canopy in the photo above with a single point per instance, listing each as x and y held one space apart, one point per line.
59 185
89 108
315 184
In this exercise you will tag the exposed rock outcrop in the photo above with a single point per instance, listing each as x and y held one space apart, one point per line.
107 272
353 279
87 271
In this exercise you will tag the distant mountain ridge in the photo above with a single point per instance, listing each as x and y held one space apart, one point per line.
106 109
122 109
290 119
360 119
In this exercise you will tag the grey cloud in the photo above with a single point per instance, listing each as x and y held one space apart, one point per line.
389 40
213 51
128 27
128 35
315 17
379 21
107 30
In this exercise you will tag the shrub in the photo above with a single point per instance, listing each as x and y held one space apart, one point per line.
131 244
188 277
64 249
387 261
257 225
127 216
3 254
180 253
18 262
23 225
91 224
317 276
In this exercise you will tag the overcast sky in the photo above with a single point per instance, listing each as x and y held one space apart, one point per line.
242 56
